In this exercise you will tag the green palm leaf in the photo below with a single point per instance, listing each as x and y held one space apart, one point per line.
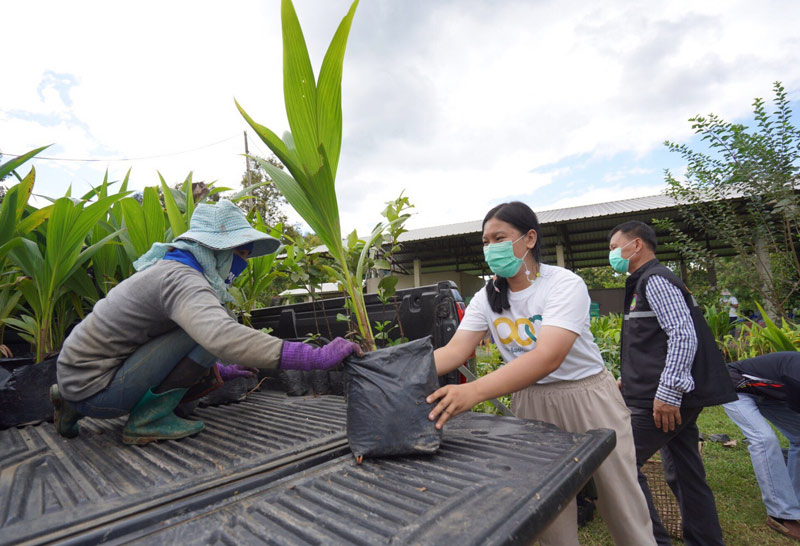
299 90
7 168
329 91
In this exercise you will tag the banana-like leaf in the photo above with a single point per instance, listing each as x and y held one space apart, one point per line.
176 221
88 252
25 188
80 284
777 337
8 220
8 167
26 327
245 193
9 297
34 220
28 257
188 196
153 216
215 190
124 186
67 229
10 245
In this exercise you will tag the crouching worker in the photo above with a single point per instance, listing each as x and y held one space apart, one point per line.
768 389
539 316
158 332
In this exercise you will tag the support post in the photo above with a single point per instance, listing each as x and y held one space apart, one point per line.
560 262
247 159
764 269
417 272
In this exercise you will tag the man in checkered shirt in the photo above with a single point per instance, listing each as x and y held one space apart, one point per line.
670 370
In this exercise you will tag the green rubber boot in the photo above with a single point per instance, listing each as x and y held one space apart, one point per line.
152 419
65 418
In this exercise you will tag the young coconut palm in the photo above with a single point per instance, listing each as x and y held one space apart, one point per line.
310 152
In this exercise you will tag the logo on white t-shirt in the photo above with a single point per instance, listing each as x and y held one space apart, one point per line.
520 331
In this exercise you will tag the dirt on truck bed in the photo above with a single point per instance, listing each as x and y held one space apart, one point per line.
275 469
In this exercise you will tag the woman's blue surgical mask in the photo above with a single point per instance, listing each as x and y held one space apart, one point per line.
618 263
501 258
237 266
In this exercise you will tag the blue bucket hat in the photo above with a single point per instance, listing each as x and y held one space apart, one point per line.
224 226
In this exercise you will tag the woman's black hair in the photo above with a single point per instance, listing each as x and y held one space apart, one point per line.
520 216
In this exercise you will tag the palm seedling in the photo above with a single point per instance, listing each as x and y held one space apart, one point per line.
310 152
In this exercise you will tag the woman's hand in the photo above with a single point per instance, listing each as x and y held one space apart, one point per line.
453 399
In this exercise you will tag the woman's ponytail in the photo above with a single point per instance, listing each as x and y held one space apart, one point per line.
497 294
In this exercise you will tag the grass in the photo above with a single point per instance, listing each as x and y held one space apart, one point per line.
730 474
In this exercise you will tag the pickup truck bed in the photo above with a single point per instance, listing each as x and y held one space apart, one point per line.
277 470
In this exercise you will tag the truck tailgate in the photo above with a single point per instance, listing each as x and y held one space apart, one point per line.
276 470
51 487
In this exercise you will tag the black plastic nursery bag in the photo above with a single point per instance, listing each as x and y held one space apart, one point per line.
386 409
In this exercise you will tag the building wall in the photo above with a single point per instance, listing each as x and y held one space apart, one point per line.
611 300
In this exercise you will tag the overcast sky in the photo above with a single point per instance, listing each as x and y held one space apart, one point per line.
463 104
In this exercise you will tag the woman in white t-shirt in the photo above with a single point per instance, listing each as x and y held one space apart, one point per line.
538 315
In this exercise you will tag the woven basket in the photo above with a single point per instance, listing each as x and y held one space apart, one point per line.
665 502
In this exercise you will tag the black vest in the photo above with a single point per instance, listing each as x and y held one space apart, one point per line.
644 348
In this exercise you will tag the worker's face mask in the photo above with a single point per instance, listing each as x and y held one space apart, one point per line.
618 263
501 258
237 266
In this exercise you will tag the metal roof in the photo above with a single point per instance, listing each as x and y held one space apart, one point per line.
582 232
583 212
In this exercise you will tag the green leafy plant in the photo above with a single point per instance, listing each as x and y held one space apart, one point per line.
310 152
487 360
784 338
719 323
49 267
607 331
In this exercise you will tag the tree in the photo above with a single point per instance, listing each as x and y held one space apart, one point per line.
267 199
742 192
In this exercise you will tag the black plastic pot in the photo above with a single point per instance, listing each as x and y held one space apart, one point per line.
25 391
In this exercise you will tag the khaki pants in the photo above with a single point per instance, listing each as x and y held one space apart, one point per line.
578 406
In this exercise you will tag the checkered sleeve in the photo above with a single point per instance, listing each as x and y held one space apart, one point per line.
675 318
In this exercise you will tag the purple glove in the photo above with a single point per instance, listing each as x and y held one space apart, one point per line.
233 371
302 356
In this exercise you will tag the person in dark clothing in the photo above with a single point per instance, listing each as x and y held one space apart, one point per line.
670 369
768 389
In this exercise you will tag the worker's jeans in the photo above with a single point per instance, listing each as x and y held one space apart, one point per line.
779 482
146 368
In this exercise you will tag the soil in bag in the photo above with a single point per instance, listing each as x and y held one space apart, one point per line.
386 409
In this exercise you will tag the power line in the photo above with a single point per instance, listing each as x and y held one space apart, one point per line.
126 158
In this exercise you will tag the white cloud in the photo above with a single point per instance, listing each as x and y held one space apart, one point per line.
462 103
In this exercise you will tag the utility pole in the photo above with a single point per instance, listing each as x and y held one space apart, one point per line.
247 159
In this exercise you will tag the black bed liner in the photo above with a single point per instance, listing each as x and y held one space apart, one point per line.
277 470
